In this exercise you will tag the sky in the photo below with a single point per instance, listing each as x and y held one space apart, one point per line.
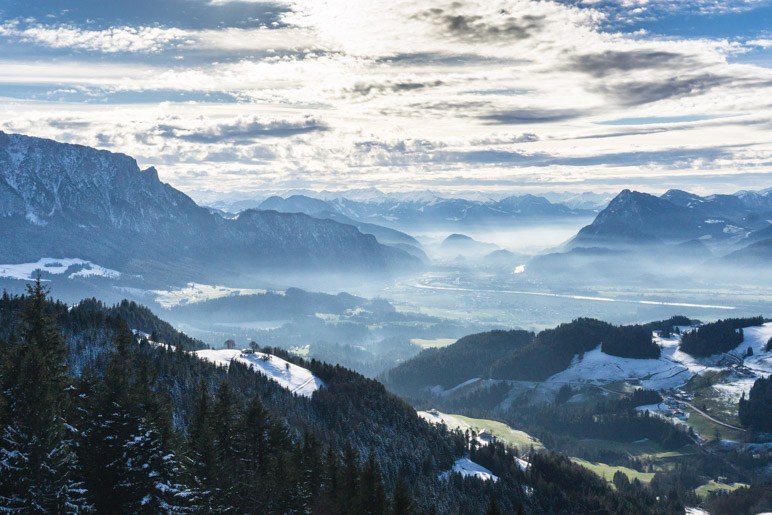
231 98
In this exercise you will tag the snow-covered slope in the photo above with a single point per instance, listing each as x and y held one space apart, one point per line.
467 467
436 417
76 268
296 379
196 292
596 367
674 368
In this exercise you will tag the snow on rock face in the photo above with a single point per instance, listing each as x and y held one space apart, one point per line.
467 467
26 271
296 379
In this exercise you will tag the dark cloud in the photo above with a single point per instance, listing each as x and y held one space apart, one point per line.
447 59
479 29
531 115
438 109
630 94
672 157
69 123
605 63
493 157
620 134
243 130
365 89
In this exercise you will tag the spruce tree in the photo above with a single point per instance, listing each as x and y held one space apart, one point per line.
38 469
112 424
152 477
403 501
252 457
218 465
202 455
372 494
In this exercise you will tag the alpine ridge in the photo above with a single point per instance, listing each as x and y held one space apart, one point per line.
61 200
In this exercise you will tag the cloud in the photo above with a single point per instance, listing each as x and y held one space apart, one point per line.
477 28
531 115
505 139
627 12
399 94
243 129
366 89
602 64
112 40
763 43
635 93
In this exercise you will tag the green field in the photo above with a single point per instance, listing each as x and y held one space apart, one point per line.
607 471
713 486
523 441
437 343
503 432
645 449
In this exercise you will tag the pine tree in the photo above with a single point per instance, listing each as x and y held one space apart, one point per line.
38 469
152 475
311 471
224 433
252 457
111 425
329 489
493 508
403 500
372 492
202 455
349 484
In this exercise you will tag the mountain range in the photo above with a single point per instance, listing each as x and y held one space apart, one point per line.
64 200
678 216
653 240
409 211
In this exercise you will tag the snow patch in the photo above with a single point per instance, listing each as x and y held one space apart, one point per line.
439 390
467 467
26 271
296 379
596 367
195 292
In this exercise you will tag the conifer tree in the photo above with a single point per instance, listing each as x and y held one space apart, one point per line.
201 455
403 501
224 435
38 469
372 498
152 475
252 456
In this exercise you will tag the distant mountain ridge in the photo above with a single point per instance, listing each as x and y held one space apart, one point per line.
59 199
678 216
410 210
324 210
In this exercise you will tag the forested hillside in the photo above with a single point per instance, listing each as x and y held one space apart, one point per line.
717 337
518 355
94 418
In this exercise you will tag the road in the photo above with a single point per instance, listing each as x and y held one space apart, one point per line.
712 419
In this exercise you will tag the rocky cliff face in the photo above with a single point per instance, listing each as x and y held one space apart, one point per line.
45 181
